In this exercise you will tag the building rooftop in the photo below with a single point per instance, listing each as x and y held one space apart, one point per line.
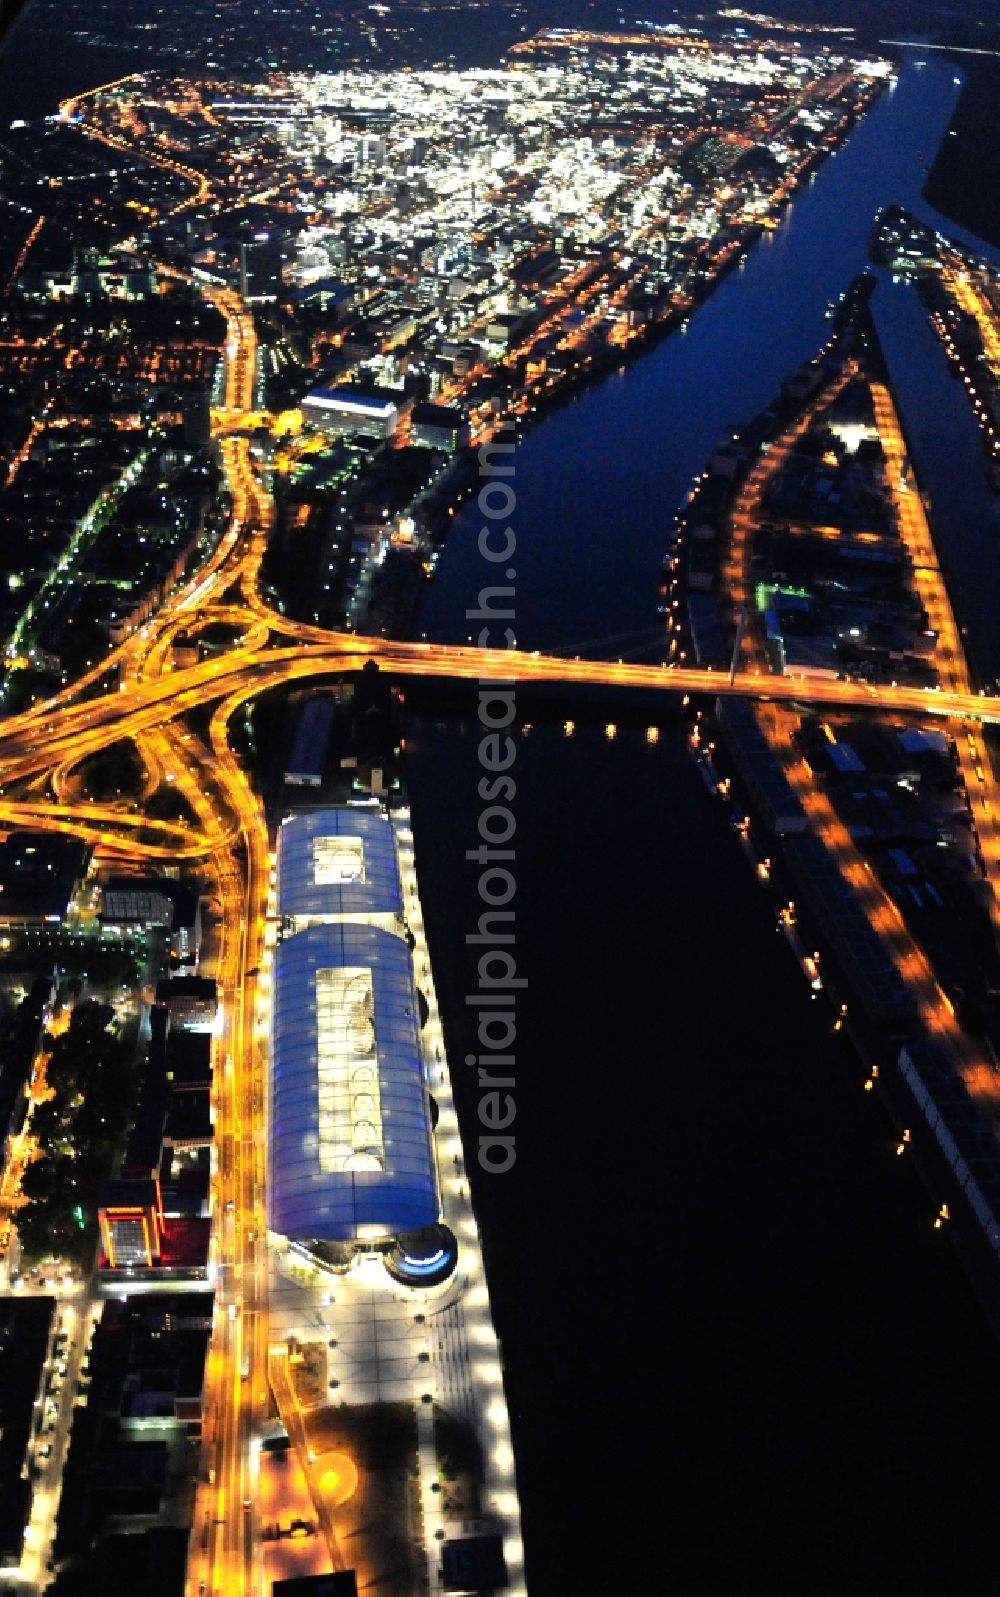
39 872
189 1059
24 1336
337 862
350 1129
199 989
189 1117
353 399
427 414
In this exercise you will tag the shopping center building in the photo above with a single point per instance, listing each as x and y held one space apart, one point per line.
351 1157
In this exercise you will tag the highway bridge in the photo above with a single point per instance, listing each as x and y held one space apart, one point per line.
32 741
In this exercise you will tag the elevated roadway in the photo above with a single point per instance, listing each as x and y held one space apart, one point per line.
247 670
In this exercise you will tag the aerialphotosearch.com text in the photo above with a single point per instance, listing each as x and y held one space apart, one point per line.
494 1003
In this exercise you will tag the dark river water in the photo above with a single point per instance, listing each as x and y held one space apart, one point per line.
737 1352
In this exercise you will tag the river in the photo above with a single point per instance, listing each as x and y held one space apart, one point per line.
736 1349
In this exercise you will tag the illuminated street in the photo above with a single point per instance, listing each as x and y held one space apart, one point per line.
780 724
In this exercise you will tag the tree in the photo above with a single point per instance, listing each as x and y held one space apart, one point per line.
38 1182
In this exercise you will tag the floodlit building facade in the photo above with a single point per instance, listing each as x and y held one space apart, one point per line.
351 410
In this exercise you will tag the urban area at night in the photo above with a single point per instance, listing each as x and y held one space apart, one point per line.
499 823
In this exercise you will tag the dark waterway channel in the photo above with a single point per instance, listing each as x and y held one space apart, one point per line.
737 1350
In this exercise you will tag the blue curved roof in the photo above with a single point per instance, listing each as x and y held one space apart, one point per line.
349 1131
319 855
353 399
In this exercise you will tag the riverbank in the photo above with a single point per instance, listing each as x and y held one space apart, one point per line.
690 1126
939 1127
396 599
886 1009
